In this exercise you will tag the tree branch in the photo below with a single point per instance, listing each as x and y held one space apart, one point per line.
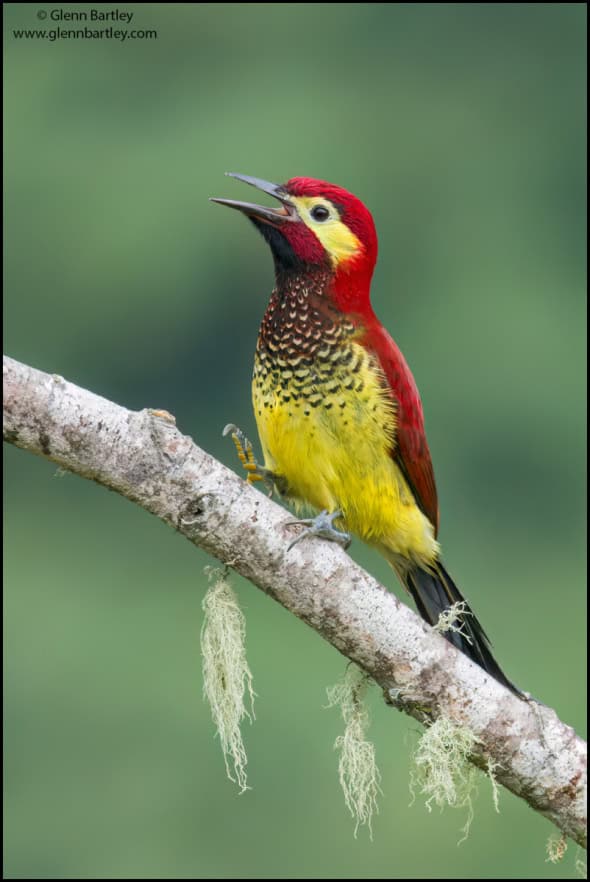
145 458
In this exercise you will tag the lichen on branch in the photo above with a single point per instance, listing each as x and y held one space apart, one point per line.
144 457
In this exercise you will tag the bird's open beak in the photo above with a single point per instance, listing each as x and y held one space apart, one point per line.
273 216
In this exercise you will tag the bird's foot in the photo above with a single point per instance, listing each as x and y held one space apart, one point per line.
323 527
246 456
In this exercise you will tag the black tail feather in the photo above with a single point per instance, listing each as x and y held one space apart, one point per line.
434 592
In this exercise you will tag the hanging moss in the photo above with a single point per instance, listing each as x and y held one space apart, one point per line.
227 680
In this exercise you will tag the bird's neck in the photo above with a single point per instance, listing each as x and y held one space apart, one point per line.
345 290
302 317
303 284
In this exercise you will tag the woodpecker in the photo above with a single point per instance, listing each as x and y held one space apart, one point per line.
337 409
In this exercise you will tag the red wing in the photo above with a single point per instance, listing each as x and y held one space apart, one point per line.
411 450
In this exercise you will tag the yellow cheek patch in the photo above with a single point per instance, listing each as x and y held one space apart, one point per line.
339 242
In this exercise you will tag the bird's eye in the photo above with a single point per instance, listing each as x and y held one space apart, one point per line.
320 213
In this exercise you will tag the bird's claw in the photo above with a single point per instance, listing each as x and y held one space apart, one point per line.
323 527
246 456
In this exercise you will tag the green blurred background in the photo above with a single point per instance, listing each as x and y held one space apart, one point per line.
462 126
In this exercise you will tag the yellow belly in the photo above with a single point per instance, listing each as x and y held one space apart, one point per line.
336 455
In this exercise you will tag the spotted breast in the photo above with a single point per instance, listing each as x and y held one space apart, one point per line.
322 407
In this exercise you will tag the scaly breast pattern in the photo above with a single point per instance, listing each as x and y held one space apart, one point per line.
325 417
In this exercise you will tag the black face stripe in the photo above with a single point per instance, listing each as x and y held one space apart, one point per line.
287 263
282 252
339 209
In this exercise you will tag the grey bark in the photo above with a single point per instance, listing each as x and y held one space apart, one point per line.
144 457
